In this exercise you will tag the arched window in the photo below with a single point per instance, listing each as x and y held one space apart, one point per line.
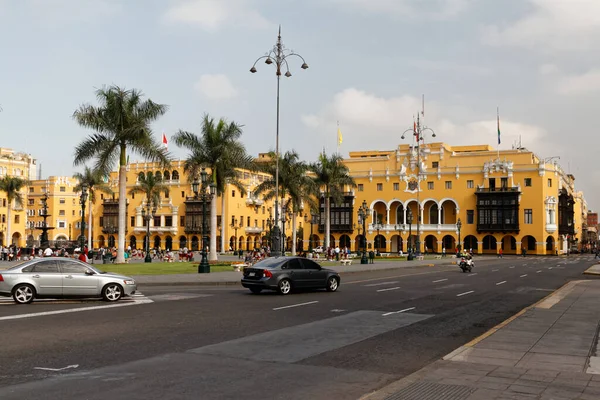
141 176
175 175
158 175
167 176
182 242
157 242
433 214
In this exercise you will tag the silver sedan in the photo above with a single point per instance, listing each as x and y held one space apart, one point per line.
55 277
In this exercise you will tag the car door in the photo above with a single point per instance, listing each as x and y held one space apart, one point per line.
296 273
75 280
47 278
316 275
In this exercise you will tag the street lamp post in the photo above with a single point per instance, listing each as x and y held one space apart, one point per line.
278 56
458 226
313 221
417 131
204 267
82 201
147 214
409 219
363 213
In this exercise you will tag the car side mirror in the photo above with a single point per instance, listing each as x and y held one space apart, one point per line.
89 272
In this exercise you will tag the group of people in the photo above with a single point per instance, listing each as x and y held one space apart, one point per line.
10 253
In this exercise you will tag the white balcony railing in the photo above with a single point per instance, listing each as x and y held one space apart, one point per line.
254 201
156 229
551 228
253 229
391 228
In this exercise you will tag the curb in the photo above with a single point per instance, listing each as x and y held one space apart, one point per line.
395 386
237 282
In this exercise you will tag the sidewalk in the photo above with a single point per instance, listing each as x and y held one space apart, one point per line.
234 277
547 351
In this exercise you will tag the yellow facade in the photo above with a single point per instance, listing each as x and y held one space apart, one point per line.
63 206
243 225
23 166
451 180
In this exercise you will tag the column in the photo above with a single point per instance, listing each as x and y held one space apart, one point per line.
388 215
440 215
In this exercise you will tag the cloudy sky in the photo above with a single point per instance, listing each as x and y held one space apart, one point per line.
370 62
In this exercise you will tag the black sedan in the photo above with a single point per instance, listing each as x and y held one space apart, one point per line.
286 273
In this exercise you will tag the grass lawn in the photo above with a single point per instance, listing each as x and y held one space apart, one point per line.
160 268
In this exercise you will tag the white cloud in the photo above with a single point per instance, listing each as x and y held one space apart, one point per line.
548 69
553 24
216 87
383 120
67 10
580 84
211 15
435 9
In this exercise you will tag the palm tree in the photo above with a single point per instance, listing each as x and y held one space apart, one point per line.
121 121
219 149
295 187
152 187
94 182
331 175
12 186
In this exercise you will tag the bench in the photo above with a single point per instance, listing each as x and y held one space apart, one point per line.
420 258
239 267
346 262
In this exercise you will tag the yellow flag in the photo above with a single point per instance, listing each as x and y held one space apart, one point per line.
339 136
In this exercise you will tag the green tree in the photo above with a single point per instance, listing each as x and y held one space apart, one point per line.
219 149
12 186
330 177
121 122
295 187
94 182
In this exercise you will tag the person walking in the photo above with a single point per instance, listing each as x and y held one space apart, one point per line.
500 253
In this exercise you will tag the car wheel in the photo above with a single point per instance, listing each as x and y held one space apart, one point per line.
23 294
332 284
284 287
112 292
255 290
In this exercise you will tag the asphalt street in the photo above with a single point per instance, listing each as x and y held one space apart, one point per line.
225 343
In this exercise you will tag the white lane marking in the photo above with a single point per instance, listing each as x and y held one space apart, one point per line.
524 265
537 272
465 293
474 273
549 267
500 283
57 369
511 267
336 310
387 289
382 283
397 312
523 276
440 280
295 305
494 270
73 310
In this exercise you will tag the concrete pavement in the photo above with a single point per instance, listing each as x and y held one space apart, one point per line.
547 351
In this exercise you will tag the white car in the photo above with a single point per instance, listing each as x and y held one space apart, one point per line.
318 249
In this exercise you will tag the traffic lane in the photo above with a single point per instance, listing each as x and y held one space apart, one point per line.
9 308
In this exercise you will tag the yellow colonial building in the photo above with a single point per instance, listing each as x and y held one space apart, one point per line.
510 200
23 166
243 221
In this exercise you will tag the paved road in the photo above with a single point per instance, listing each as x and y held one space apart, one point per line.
225 343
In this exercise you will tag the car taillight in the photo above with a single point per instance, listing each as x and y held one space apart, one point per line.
1 278
267 273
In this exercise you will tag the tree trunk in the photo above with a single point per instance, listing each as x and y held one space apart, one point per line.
90 244
122 206
327 226
294 234
212 256
223 220
8 224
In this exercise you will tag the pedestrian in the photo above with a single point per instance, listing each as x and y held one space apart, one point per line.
443 252
500 253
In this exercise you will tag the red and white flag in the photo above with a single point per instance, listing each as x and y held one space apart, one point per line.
164 141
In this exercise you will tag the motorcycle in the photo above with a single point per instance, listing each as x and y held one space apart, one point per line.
466 264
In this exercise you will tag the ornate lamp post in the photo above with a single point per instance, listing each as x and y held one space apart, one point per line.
458 226
417 131
82 201
313 221
409 219
147 214
204 267
363 214
278 56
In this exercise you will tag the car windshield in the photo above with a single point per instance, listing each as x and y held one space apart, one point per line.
269 263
